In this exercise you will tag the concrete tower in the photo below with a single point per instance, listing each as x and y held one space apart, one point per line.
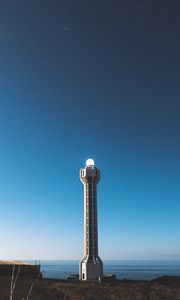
91 266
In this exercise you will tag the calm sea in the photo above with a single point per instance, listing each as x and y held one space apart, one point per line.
130 269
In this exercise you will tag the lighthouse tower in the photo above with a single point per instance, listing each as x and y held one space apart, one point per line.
91 266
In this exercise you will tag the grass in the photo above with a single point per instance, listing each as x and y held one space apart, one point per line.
166 288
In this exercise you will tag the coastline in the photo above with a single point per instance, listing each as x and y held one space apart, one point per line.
123 269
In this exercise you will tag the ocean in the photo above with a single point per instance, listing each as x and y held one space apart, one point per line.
123 269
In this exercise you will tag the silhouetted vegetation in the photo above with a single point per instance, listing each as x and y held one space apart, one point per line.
165 288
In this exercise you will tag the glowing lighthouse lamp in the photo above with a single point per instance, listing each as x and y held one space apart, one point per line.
90 162
91 266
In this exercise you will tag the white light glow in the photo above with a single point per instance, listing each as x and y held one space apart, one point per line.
89 162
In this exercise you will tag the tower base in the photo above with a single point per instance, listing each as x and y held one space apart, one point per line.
90 268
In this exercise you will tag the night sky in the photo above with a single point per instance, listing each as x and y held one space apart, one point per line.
82 79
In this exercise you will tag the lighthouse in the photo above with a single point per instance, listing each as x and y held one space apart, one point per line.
91 266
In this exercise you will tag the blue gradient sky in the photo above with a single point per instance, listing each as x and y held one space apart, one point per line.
84 79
